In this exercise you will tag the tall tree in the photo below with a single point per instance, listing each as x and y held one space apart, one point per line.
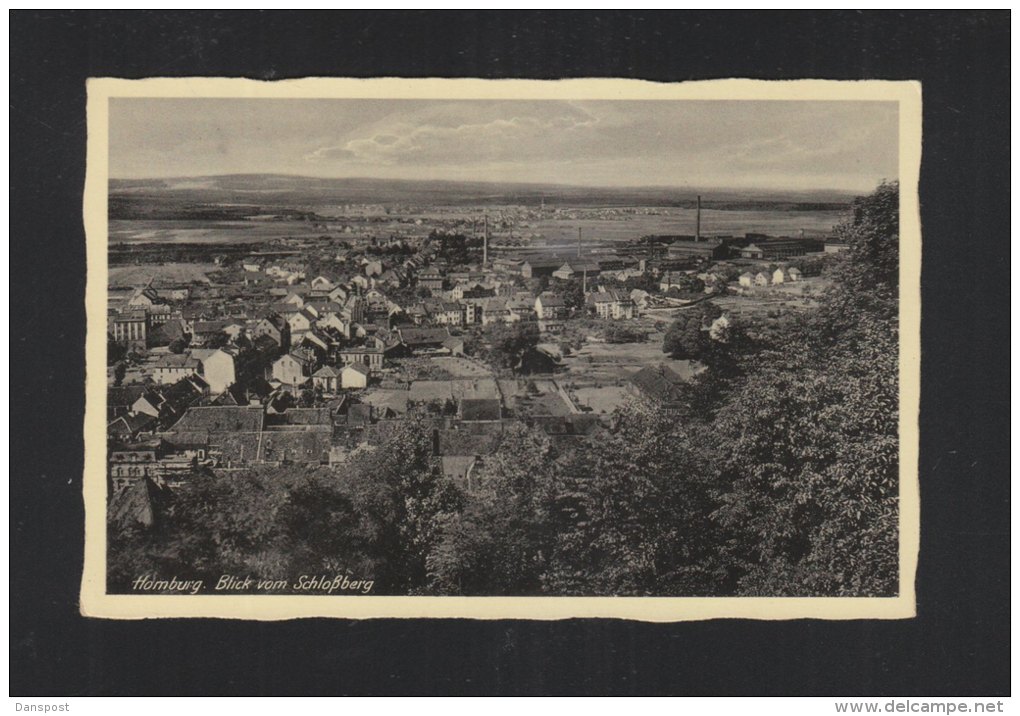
810 441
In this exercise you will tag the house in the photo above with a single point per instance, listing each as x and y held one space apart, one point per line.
641 299
170 368
120 398
675 279
576 269
521 309
143 298
321 283
761 279
507 265
294 298
779 276
217 368
659 386
203 332
173 293
231 433
166 333
611 304
746 279
327 379
450 314
154 459
417 314
158 313
338 294
431 279
455 345
423 340
549 306
355 376
495 310
274 327
294 368
794 274
129 426
130 328
300 322
371 356
535 268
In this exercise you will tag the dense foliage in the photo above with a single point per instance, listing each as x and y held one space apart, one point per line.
779 477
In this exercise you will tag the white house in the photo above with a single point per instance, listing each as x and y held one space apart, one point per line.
327 378
355 375
299 322
293 368
217 368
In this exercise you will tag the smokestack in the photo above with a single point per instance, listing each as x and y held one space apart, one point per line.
579 241
697 221
485 242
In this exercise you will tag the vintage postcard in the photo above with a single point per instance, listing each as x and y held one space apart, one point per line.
502 349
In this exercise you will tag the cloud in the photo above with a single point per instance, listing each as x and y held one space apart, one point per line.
403 143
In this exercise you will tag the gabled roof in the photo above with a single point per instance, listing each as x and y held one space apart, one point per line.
422 336
658 381
175 360
220 419
131 424
123 395
551 299
358 368
326 371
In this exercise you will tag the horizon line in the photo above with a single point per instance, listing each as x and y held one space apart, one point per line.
658 187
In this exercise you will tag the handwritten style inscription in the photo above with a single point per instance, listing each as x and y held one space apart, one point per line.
311 584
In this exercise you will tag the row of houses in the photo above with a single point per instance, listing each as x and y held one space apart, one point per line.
762 278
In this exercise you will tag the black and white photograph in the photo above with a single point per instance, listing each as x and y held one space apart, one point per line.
503 347
510 353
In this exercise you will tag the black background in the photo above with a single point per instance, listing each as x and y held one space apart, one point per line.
959 643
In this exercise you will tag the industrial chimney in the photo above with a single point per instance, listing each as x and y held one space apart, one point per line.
485 241
697 221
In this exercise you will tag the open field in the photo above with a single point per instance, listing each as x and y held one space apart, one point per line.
462 367
611 364
206 232
173 273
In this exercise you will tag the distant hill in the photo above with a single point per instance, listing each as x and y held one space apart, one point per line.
301 192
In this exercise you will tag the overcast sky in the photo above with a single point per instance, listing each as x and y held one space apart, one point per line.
740 144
